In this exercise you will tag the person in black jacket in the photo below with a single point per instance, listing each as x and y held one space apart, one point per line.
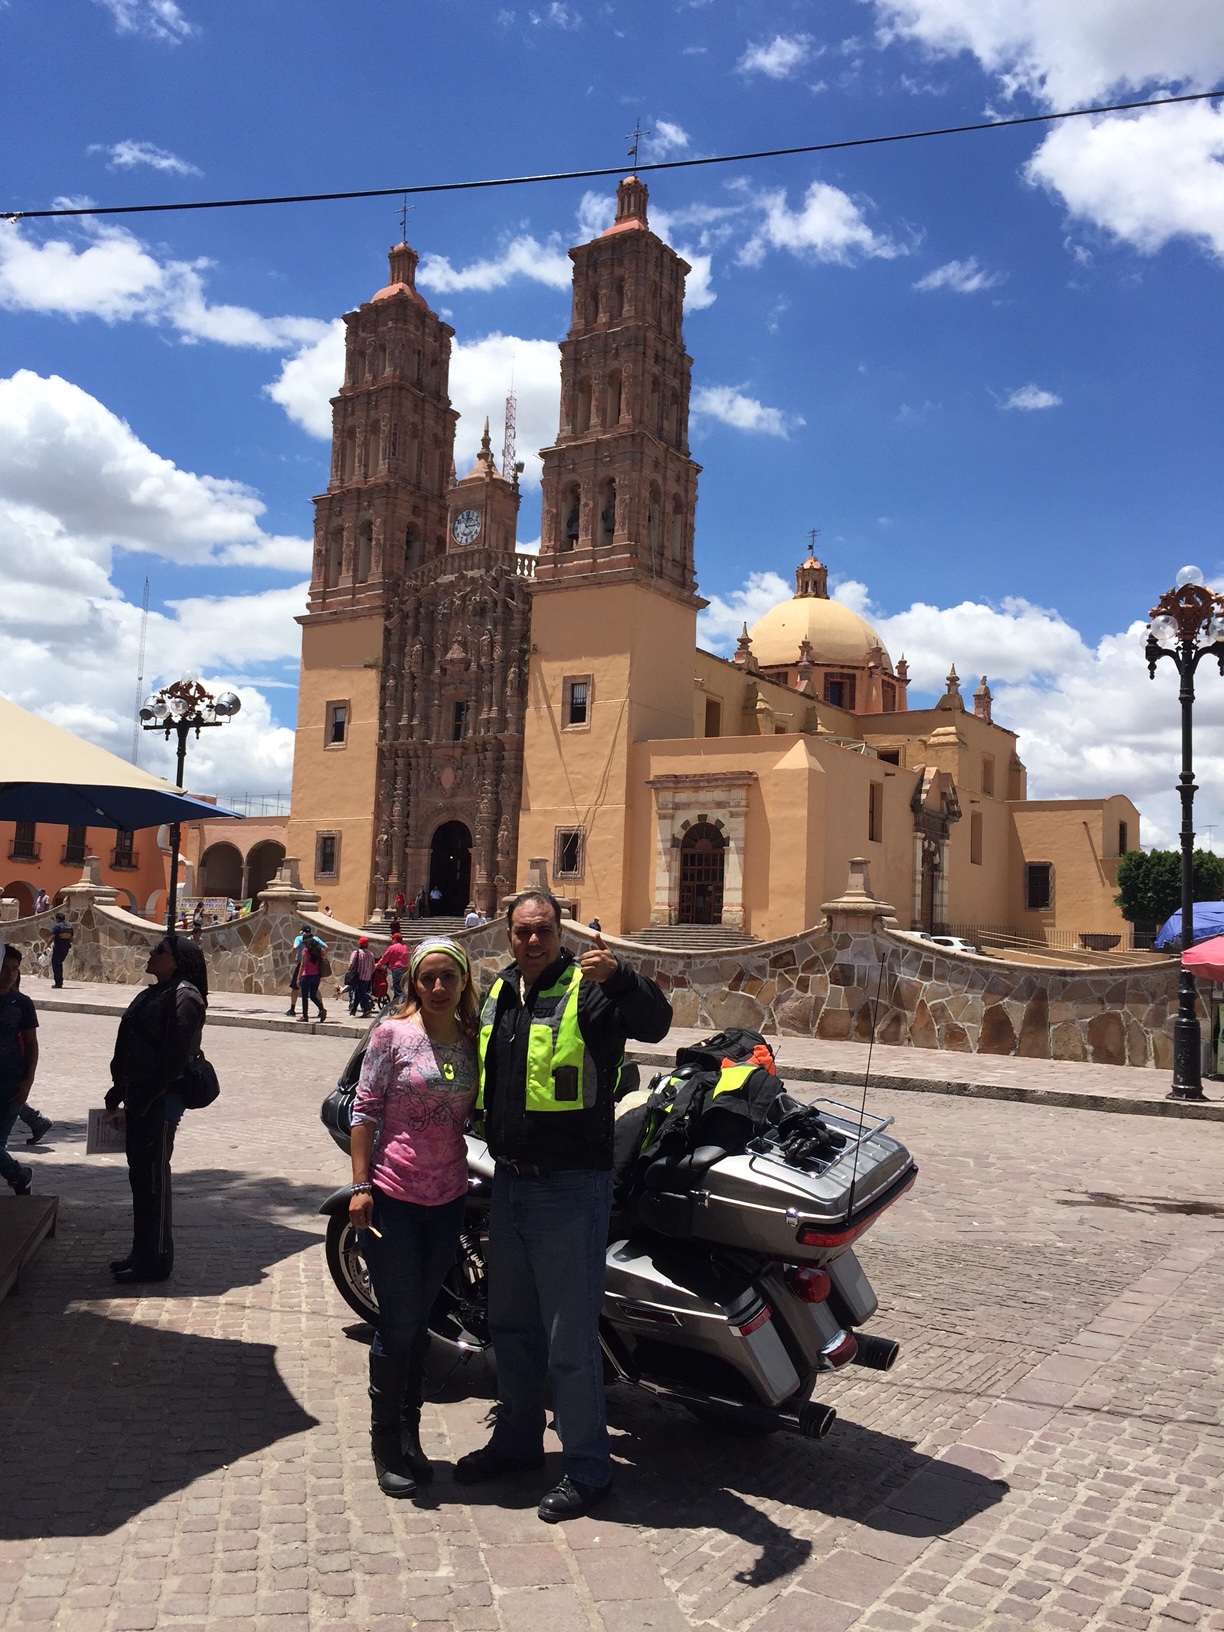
551 1046
158 1035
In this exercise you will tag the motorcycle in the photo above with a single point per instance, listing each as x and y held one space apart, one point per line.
732 1288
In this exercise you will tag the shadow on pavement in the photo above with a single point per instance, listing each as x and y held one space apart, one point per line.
124 1415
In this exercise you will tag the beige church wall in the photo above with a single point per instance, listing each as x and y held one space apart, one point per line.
1080 838
980 893
334 788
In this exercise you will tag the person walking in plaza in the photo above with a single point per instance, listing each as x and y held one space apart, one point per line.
158 1036
18 1063
421 902
552 1041
395 960
311 971
42 901
359 974
415 1094
435 902
60 936
473 918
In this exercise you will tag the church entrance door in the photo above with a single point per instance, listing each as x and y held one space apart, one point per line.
450 870
702 863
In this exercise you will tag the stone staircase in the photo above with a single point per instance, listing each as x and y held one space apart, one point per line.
416 929
691 937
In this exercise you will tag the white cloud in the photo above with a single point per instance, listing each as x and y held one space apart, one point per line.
556 15
665 139
523 257
963 277
829 227
719 625
698 293
157 19
743 413
308 381
111 275
128 155
1145 179
596 213
480 377
93 487
778 58
1031 397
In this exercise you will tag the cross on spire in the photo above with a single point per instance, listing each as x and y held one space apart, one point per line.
404 212
812 537
634 138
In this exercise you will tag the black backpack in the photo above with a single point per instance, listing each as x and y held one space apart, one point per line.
696 1105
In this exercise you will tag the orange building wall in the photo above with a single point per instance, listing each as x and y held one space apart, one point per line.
141 888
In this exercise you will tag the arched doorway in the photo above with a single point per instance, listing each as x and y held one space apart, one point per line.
263 864
221 870
703 858
23 895
450 869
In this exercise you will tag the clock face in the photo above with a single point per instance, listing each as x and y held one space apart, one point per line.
466 527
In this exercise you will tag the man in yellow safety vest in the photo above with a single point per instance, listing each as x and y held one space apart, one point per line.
551 1046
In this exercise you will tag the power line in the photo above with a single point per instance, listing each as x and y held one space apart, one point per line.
611 170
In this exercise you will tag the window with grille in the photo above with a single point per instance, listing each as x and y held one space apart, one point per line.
839 690
74 847
327 855
124 854
1039 886
576 701
569 845
1123 838
25 845
337 725
459 720
702 866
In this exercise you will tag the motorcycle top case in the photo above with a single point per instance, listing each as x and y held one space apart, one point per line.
760 1201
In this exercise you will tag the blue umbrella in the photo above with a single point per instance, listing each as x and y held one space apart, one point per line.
1208 921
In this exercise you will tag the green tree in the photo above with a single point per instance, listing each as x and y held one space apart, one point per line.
1149 883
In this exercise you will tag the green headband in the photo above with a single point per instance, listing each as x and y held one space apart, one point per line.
438 943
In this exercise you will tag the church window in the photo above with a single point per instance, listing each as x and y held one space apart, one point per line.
416 377
889 756
988 780
617 304
652 407
713 717
582 416
576 702
460 720
569 852
671 428
607 513
612 402
1123 838
336 729
393 441
571 515
349 457
676 541
1038 886
327 855
839 690
875 812
365 551
888 694
334 563
592 306
654 519
380 362
975 838
410 547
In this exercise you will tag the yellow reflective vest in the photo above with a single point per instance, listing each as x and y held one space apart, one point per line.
561 1074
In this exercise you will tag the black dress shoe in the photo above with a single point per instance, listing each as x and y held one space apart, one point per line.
117 1264
486 1463
136 1274
571 1499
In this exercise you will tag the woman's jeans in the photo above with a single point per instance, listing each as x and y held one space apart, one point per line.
149 1141
407 1267
548 1238
308 985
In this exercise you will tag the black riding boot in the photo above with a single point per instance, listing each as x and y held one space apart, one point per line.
388 1374
410 1414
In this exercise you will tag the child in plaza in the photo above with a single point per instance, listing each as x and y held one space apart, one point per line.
417 1090
18 1063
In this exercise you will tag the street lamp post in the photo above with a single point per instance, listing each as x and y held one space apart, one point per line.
1187 625
182 708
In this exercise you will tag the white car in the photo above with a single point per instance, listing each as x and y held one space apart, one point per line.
953 943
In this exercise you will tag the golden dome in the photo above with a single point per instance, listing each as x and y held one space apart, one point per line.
837 635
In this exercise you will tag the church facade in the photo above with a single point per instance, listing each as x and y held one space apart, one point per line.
467 711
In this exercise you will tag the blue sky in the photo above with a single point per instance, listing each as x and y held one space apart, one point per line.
987 367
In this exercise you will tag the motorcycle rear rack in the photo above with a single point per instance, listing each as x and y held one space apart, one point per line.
853 1144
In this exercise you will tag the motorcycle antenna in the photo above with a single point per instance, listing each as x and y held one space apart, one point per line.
875 1005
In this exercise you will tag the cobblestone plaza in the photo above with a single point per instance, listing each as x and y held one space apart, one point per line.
1047 1453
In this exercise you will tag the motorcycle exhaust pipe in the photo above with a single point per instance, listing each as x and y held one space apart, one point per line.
811 1420
815 1420
876 1353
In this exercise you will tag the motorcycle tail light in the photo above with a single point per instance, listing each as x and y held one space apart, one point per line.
840 1350
755 1323
820 1235
808 1285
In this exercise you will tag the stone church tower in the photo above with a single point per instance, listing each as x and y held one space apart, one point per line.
410 704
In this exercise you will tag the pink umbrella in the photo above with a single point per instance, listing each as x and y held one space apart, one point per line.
1206 959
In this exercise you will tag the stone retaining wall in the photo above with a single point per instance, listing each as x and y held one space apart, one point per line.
819 984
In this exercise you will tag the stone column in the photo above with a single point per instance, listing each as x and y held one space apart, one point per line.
858 910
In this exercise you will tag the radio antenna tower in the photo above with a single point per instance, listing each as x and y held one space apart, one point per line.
509 451
140 663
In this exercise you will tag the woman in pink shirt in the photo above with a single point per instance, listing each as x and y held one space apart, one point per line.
396 959
416 1092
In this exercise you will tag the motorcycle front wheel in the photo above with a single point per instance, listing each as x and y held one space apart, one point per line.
347 1265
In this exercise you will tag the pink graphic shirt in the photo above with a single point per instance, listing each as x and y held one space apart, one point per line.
419 1094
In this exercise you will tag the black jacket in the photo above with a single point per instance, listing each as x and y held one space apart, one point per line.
159 1033
625 1005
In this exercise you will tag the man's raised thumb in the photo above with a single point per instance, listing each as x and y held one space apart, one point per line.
599 943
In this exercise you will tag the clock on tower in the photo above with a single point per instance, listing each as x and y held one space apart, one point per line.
465 529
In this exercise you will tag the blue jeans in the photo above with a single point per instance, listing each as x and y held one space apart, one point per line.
548 1238
308 986
10 1169
407 1267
